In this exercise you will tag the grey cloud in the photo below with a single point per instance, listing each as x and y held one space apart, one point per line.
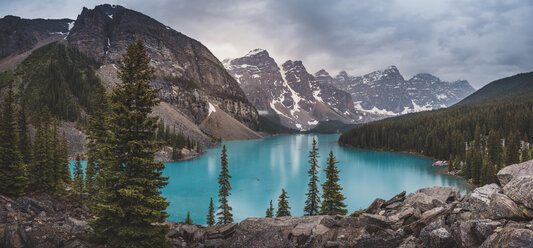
479 40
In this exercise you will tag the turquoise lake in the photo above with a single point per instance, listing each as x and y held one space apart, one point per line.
261 168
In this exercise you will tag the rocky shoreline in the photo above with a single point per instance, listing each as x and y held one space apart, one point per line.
489 216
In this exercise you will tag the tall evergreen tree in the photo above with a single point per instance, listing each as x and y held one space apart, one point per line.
477 163
270 211
495 148
98 137
13 180
211 213
512 147
78 177
24 143
312 204
224 209
283 205
332 198
129 207
41 171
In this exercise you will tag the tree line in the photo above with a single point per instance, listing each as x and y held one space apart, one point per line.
26 166
477 139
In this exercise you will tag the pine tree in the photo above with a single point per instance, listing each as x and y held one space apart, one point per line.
495 148
211 213
188 220
283 205
24 144
332 198
98 134
477 163
224 210
512 149
312 204
525 152
13 180
270 211
41 171
78 177
129 208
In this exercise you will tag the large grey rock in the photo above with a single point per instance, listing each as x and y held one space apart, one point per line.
375 206
478 202
373 223
76 226
503 207
33 206
520 189
484 228
510 238
424 199
506 174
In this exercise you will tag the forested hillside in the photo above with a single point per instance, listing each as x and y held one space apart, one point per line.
60 78
486 131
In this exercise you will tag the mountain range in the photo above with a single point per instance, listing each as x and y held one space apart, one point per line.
301 99
203 97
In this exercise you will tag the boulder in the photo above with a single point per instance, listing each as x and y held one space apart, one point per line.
510 238
484 228
373 223
510 172
520 189
33 206
76 226
375 206
424 199
219 232
478 202
503 207
395 200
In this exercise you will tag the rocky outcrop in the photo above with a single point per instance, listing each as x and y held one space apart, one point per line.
430 217
42 221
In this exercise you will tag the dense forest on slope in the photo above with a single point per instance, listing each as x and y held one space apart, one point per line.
504 107
60 78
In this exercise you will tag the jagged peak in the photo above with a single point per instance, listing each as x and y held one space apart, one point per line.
343 74
322 72
392 68
426 76
256 52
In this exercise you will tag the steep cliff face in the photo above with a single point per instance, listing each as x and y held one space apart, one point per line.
18 37
189 74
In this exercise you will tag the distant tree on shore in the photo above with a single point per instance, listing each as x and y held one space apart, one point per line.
332 198
312 204
188 220
78 185
283 205
270 211
224 209
211 213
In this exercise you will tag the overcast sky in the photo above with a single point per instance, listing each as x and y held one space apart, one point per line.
479 41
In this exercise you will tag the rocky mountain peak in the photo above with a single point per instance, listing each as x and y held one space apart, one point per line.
258 52
189 74
322 73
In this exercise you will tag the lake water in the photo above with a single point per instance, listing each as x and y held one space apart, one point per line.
261 168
